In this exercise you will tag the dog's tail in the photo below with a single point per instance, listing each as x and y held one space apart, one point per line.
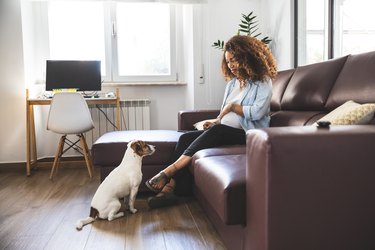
93 215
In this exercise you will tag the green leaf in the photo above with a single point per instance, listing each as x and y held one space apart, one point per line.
249 26
252 18
256 35
254 30
253 27
266 40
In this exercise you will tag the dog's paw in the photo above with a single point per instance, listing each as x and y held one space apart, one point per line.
79 227
133 210
111 217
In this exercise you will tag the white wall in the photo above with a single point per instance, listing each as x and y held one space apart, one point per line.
277 20
216 19
12 86
220 19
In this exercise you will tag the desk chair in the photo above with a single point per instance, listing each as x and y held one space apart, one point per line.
69 114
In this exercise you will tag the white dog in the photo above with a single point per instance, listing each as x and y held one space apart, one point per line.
122 182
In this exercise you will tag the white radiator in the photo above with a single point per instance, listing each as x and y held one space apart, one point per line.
134 115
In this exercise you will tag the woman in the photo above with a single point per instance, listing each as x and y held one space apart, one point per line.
250 67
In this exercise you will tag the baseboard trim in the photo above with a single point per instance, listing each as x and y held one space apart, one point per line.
46 163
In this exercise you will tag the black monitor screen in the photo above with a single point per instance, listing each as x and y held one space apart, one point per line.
80 75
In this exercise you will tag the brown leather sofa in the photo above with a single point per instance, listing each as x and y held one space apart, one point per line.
293 185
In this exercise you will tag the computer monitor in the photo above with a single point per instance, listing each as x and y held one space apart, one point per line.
80 75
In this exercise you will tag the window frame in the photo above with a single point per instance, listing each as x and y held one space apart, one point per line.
329 32
333 32
172 77
110 42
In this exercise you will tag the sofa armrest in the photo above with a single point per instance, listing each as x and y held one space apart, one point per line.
310 188
187 118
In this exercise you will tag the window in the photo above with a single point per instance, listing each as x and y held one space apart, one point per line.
143 33
354 26
134 41
327 29
312 37
79 37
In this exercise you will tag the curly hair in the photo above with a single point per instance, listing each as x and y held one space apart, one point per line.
255 59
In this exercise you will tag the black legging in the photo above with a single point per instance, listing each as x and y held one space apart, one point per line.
193 141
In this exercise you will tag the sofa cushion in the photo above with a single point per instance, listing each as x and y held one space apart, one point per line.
310 85
351 113
222 150
278 87
109 149
355 81
284 118
221 180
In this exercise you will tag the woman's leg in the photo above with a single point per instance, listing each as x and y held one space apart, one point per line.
216 136
195 141
177 159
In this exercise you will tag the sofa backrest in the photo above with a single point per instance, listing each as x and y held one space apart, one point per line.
356 81
303 95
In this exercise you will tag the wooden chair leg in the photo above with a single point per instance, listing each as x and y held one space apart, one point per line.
86 153
59 151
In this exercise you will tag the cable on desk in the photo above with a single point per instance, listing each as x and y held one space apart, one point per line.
93 93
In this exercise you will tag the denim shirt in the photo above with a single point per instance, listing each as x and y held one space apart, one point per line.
255 103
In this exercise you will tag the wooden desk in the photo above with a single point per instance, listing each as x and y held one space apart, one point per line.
31 150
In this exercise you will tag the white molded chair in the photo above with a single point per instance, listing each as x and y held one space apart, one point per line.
69 114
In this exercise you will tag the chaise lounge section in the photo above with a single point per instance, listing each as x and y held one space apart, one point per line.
109 149
293 185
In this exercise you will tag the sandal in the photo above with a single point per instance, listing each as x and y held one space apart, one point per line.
164 200
160 177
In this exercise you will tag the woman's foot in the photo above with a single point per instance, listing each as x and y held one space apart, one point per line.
165 198
157 183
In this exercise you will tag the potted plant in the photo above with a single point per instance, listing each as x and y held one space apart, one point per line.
249 27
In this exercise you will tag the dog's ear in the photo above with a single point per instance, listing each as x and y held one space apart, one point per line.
137 146
130 143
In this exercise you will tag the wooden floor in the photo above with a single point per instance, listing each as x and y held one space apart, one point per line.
36 213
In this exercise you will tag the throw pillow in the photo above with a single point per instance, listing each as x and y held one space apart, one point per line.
351 113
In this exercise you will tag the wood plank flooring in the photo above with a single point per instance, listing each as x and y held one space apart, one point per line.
36 213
